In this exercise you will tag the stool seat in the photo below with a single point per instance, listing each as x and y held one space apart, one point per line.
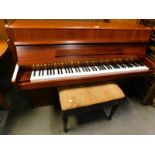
76 96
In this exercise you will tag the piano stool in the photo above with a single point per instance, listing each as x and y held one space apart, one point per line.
77 99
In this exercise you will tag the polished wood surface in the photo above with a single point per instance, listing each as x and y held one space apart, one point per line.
3 38
43 43
75 24
3 33
33 55
3 47
30 32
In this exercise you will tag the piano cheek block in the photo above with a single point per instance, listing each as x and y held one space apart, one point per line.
14 77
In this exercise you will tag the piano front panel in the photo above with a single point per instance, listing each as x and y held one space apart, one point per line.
35 55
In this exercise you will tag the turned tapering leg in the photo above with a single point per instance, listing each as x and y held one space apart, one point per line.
113 110
65 121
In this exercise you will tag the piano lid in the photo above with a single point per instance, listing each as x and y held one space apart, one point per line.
75 24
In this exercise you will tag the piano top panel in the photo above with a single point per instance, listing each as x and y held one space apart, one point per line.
73 24
51 34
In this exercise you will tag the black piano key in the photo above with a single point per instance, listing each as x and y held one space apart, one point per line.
99 67
92 68
128 65
71 69
132 65
76 70
83 68
109 66
58 70
103 67
88 68
39 72
112 66
34 73
136 65
51 71
42 72
47 72
122 65
95 68
139 63
117 66
61 71
66 70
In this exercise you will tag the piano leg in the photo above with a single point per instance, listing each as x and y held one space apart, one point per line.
113 110
65 121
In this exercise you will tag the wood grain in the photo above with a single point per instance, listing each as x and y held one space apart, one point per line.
3 47
33 55
43 42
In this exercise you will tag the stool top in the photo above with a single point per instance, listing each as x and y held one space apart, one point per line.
72 97
3 47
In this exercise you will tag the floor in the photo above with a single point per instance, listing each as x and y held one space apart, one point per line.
131 118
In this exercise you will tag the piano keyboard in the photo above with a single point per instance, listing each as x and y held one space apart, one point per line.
85 70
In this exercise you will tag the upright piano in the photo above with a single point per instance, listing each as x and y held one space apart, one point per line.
51 53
